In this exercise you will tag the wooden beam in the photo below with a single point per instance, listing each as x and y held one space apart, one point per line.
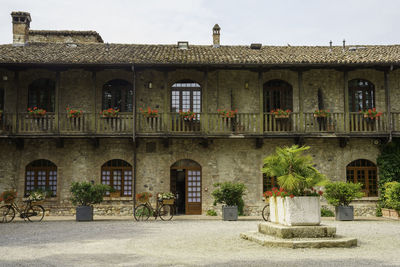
95 142
57 104
261 101
343 141
300 95
259 143
346 100
60 142
388 105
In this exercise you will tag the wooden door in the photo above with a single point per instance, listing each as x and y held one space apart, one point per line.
193 191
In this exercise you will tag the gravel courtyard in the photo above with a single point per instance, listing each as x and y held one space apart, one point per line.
184 242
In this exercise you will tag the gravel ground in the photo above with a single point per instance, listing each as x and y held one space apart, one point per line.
184 242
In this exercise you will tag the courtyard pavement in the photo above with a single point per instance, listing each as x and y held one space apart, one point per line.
184 241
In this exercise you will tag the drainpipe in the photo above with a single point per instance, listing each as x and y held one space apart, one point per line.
134 136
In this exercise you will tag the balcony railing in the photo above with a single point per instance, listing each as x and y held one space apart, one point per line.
203 123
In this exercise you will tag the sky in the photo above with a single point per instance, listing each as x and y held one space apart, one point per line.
278 22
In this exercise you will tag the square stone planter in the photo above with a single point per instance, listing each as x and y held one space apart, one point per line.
229 213
84 213
390 213
344 213
295 211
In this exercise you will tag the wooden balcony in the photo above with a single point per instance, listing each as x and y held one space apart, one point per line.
205 124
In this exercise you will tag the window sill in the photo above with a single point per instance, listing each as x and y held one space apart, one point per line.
117 199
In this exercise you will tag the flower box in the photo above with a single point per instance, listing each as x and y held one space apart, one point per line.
295 211
74 113
115 194
390 213
281 116
168 201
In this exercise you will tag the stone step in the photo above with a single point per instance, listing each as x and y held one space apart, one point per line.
286 232
273 241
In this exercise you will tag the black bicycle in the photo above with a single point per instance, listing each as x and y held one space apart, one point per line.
31 212
265 212
164 209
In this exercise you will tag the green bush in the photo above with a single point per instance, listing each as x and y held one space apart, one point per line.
294 171
341 193
211 213
392 195
327 213
87 194
230 194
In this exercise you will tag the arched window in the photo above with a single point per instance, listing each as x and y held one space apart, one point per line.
41 94
41 174
361 95
278 94
118 94
365 172
186 95
117 174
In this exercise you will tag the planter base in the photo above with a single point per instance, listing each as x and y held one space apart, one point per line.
229 213
84 213
344 213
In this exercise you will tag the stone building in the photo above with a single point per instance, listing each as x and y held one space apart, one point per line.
56 70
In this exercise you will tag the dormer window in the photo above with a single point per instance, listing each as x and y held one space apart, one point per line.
183 45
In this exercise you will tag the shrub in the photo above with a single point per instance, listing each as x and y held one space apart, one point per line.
327 213
211 213
87 194
392 195
341 193
294 171
230 194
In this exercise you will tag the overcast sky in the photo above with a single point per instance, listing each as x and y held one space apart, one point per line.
294 22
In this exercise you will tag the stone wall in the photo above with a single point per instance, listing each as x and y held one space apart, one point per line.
223 160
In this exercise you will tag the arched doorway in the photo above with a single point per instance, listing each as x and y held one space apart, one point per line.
365 172
186 184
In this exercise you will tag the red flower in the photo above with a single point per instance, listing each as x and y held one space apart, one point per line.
291 196
320 193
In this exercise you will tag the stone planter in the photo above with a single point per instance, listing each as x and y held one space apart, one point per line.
295 211
391 214
229 213
344 213
84 213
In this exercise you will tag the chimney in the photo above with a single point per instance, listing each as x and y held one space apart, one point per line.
21 22
216 35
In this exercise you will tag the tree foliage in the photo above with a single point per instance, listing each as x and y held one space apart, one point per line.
341 193
392 195
87 194
294 171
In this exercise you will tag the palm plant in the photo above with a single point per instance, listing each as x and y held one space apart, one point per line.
294 171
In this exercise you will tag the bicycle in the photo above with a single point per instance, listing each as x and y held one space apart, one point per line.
165 211
265 212
32 213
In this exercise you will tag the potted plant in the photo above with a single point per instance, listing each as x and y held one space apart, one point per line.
227 113
109 113
166 198
8 196
149 113
143 197
296 175
280 113
74 113
391 200
230 195
340 195
36 112
85 195
187 115
322 113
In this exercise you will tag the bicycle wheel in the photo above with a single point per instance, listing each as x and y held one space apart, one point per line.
7 213
35 213
265 213
142 213
166 212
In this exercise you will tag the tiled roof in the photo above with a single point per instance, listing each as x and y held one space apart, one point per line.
59 53
67 33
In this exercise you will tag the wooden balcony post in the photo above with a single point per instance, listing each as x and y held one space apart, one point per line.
167 119
346 100
93 117
389 126
15 117
57 104
302 127
261 102
203 116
